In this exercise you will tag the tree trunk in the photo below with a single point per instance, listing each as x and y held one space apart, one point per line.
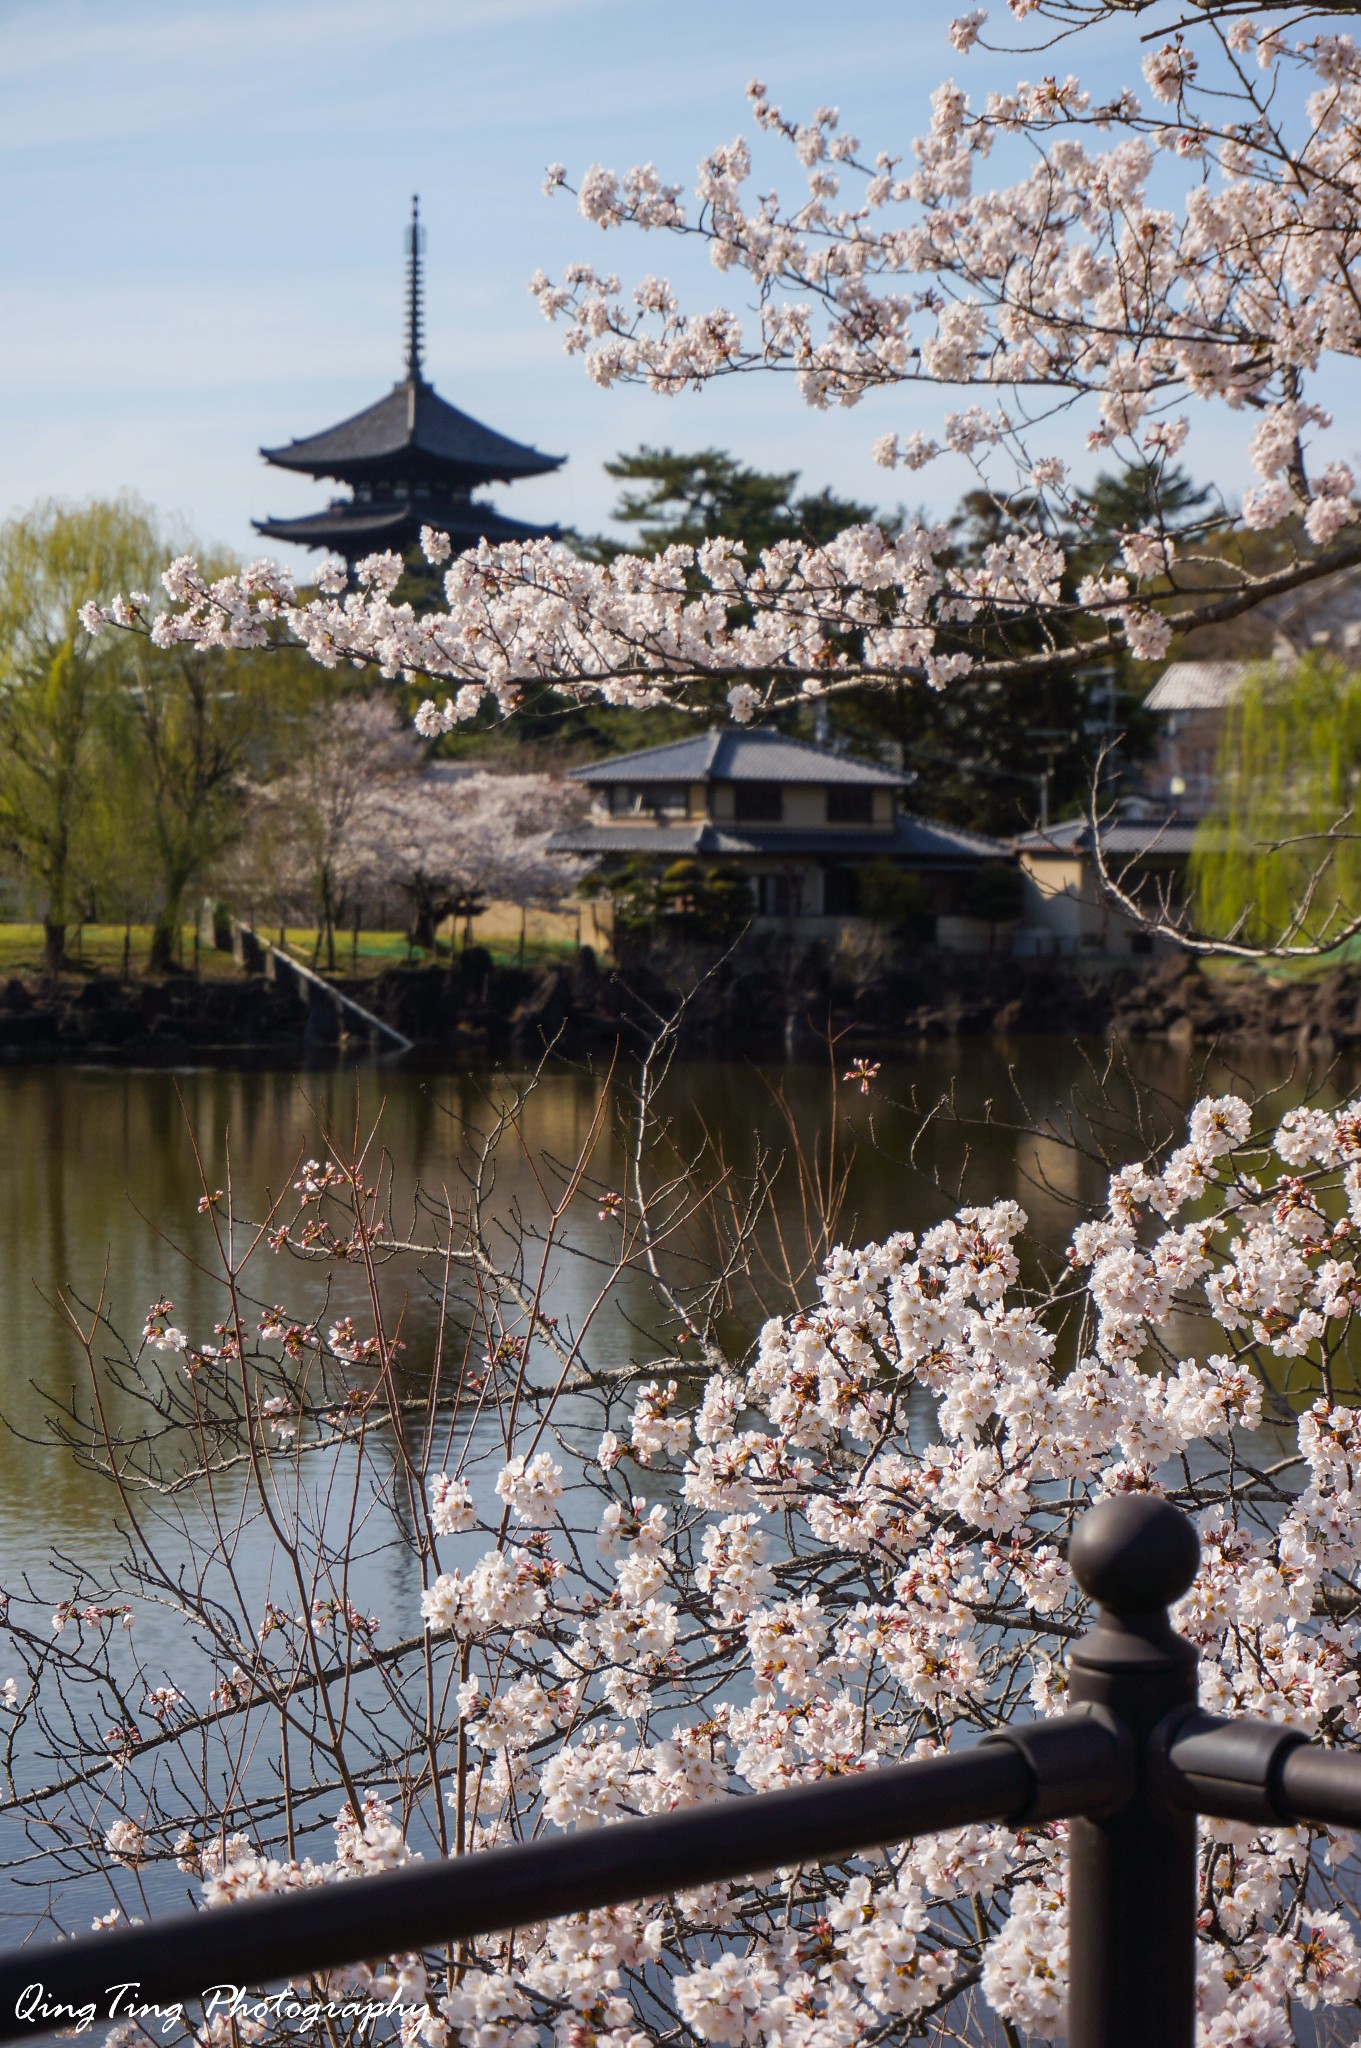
54 945
166 941
161 958
328 922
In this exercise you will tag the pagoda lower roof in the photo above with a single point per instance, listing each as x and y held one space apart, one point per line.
353 527
414 427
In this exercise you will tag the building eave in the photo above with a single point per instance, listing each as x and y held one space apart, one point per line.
918 841
414 426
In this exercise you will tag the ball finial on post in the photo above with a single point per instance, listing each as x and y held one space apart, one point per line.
1132 1871
1135 1553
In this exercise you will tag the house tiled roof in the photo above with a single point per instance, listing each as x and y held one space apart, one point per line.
911 838
414 422
1198 686
1121 839
726 755
667 842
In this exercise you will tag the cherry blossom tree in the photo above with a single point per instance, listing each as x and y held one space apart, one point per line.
451 844
360 816
300 853
720 1568
1085 293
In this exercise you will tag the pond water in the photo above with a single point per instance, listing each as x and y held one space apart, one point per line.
101 1171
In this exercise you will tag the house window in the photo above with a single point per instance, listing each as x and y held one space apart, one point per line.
758 803
850 805
776 895
840 892
658 799
667 799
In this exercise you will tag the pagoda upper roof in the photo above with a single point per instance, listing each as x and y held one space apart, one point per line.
413 427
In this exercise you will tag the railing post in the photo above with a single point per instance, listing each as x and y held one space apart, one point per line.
1132 1870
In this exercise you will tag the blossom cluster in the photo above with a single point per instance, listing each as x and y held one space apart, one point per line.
632 631
860 1557
849 1549
1072 278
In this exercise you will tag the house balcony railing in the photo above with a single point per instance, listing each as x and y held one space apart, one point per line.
1131 1768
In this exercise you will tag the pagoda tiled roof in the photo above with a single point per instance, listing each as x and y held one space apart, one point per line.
355 527
413 428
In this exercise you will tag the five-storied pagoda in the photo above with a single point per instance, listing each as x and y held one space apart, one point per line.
410 461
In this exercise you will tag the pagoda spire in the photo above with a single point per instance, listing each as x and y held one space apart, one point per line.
411 461
415 293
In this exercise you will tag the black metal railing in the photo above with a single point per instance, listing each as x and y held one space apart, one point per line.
1131 1767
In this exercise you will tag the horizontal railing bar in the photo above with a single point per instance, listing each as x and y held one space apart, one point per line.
1320 1785
266 1940
1262 1771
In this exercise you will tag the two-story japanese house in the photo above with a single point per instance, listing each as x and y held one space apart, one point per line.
800 821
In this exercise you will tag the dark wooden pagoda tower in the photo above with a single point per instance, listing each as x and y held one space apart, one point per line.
411 461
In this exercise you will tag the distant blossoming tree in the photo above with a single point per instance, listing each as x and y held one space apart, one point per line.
360 817
450 846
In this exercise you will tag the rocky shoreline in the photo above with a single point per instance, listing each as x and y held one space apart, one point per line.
755 1001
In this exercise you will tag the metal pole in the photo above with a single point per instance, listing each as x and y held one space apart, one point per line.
1132 1869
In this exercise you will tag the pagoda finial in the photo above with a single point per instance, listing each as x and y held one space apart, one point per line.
415 307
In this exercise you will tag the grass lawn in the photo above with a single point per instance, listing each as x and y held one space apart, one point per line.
99 947
1312 968
103 948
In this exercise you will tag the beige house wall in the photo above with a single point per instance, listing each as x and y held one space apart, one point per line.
1056 896
804 806
1062 908
1184 770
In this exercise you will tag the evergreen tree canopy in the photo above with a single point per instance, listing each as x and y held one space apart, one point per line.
1145 495
694 498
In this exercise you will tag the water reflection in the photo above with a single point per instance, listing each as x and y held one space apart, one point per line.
101 1172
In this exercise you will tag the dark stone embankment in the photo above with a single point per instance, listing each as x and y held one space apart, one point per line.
758 1000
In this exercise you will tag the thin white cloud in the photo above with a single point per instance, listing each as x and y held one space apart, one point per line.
200 250
75 71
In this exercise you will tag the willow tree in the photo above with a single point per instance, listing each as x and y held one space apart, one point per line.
1282 851
56 686
191 731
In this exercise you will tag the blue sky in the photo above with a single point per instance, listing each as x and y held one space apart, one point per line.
201 240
